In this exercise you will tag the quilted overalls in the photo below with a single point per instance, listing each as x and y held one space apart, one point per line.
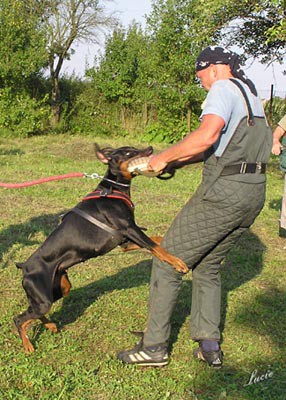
226 203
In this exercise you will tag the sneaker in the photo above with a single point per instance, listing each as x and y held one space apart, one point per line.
155 356
212 358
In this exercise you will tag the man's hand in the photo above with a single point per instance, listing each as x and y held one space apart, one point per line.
157 163
276 148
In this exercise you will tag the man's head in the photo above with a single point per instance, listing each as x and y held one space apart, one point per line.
212 73
215 63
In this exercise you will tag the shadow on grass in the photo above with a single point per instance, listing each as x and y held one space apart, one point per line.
243 264
262 376
78 300
266 314
22 234
11 152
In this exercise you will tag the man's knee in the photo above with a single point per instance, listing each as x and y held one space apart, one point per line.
206 272
166 271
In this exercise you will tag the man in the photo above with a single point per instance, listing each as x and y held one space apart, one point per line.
235 143
279 143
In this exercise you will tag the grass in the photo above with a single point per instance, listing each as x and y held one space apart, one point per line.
110 293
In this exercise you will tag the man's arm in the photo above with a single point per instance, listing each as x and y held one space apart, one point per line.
192 146
277 135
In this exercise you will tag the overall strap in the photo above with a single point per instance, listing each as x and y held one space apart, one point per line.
250 120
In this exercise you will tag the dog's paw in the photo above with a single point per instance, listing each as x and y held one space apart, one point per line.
28 347
51 327
180 266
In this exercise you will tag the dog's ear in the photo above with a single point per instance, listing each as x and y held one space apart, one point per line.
102 155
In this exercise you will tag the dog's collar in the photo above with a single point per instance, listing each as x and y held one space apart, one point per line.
111 194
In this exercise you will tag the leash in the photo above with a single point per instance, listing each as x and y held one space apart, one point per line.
57 178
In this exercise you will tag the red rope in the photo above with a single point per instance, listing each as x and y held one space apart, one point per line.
43 180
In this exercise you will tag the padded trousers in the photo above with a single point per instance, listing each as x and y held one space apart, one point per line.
201 235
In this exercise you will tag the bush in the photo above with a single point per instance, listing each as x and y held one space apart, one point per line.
169 132
21 115
277 112
91 115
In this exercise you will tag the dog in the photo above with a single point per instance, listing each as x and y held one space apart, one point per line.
103 220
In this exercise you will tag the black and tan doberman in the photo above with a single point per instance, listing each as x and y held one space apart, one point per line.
103 220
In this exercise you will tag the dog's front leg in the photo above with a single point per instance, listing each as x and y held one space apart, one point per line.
129 246
137 236
22 329
165 256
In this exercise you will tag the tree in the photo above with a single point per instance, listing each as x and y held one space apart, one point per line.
277 32
153 70
68 22
152 73
23 106
117 76
175 43
23 44
117 69
258 27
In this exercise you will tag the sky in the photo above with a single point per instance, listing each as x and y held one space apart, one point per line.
129 10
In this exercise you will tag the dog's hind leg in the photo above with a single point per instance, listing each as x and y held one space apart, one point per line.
65 286
51 326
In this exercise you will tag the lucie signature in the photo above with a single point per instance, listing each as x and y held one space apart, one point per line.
255 377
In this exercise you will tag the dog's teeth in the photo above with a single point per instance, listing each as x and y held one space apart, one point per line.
140 165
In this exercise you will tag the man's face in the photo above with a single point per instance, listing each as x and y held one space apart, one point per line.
207 76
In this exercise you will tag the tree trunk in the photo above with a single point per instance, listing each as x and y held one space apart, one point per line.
55 101
123 117
189 116
145 114
55 92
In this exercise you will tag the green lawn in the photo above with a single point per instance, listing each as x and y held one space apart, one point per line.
110 293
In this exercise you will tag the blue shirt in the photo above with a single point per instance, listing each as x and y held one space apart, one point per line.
226 100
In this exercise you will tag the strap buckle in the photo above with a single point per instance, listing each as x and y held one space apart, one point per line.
259 166
243 167
105 192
